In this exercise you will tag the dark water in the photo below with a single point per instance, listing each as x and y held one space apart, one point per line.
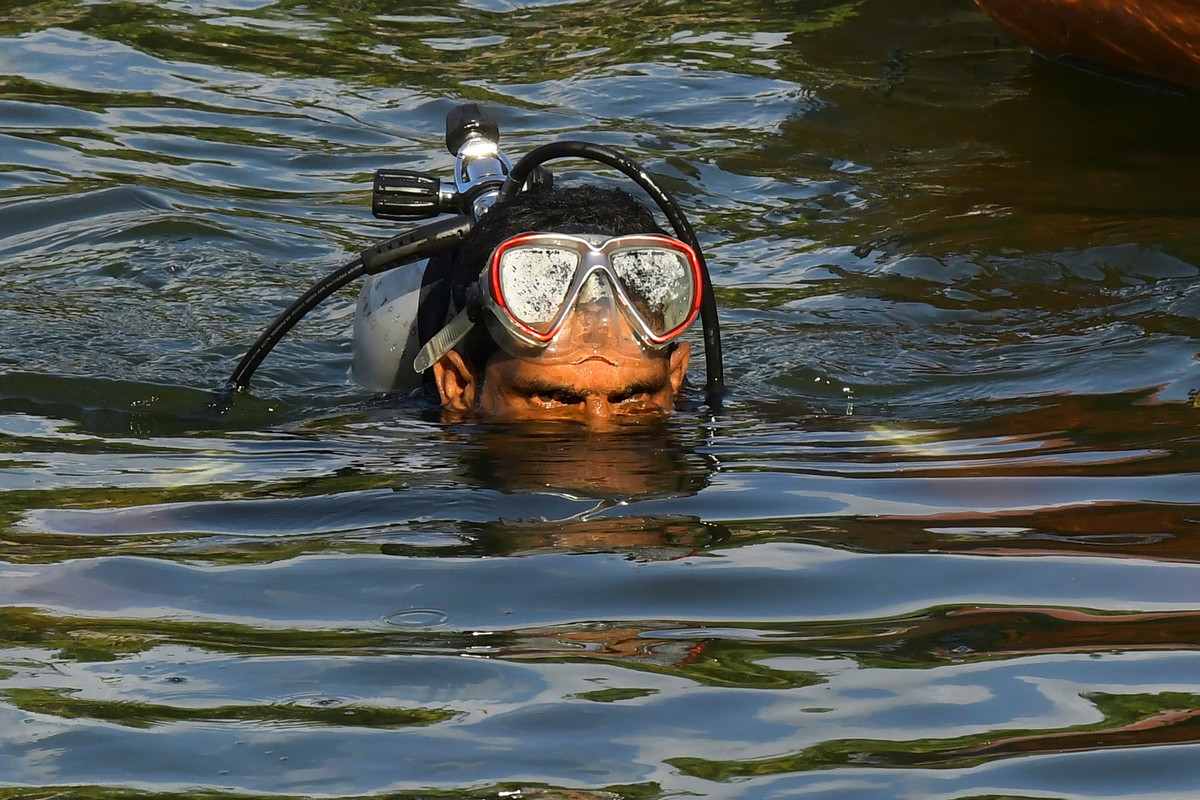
943 543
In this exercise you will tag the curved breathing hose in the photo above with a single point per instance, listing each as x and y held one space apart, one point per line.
713 361
427 240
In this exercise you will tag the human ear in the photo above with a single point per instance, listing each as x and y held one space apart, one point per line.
456 382
680 357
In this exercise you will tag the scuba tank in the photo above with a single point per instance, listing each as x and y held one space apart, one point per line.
386 335
405 300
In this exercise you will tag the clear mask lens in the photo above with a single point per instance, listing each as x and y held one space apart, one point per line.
534 282
658 281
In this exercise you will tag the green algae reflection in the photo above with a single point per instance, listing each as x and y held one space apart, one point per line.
370 44
1169 718
65 704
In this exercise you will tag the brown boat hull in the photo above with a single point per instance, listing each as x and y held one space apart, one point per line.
1159 39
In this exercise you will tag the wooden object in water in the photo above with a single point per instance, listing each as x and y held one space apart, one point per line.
1159 39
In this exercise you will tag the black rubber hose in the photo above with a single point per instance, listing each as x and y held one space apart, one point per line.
713 361
436 237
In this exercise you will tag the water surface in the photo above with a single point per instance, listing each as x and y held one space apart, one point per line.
943 542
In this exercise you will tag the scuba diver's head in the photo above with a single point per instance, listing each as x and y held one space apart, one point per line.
568 304
574 297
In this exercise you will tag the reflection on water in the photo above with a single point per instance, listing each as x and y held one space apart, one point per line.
942 543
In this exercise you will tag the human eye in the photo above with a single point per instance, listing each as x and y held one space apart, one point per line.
555 398
636 401
630 397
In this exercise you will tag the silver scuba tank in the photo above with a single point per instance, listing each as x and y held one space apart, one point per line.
386 338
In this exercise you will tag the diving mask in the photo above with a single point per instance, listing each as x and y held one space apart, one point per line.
547 293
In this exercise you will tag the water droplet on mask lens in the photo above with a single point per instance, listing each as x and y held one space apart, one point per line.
413 618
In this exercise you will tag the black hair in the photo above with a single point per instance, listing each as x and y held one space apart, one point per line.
569 209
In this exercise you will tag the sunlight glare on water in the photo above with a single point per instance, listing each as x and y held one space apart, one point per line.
942 542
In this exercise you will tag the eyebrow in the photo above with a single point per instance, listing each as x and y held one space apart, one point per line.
538 386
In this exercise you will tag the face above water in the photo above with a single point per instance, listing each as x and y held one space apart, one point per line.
594 372
598 390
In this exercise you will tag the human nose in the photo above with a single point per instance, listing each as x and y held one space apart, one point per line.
599 412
